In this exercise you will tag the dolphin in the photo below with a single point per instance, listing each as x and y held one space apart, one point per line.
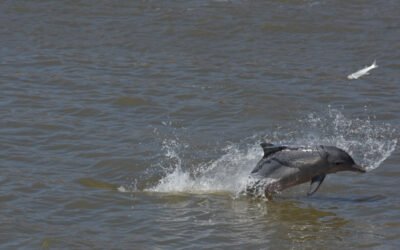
284 166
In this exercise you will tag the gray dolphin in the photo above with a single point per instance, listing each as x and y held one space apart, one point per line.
283 167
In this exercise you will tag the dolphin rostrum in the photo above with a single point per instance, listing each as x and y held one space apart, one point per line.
283 167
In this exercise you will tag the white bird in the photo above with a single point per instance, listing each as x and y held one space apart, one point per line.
364 71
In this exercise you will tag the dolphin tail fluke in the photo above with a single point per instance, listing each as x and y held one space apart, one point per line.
316 181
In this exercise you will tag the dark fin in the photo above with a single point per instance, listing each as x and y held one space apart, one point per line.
316 181
269 148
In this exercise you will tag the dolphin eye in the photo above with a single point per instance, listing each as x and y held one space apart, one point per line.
338 163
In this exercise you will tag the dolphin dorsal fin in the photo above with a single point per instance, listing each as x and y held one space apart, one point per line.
269 148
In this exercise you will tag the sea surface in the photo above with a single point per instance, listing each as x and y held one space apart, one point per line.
135 124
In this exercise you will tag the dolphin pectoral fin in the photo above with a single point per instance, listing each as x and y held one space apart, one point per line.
316 181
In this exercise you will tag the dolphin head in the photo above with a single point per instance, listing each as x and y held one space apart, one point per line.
339 160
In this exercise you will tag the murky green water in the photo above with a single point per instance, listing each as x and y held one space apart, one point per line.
134 124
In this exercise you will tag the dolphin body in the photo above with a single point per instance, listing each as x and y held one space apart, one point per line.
283 167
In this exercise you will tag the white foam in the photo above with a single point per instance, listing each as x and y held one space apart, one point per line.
122 189
229 173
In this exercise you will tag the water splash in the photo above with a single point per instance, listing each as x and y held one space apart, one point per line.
229 173
368 143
